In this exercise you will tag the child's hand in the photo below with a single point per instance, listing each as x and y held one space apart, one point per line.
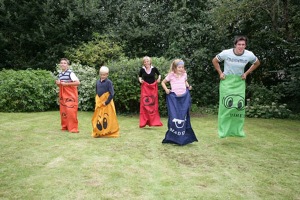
190 87
57 82
168 91
63 83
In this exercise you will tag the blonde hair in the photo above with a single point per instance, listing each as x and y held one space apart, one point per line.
103 69
146 58
65 59
174 65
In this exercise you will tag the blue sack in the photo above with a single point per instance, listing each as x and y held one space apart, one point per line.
179 126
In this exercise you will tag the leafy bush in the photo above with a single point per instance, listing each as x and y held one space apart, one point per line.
86 90
266 111
124 75
96 52
27 91
264 102
264 95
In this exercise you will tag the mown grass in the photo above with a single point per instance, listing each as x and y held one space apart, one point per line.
38 161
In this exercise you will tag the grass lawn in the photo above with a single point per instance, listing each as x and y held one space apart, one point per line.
38 161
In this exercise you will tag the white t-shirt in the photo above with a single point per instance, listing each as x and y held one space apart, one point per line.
73 77
235 64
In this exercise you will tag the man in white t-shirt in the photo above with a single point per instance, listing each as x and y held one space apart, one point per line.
235 59
231 112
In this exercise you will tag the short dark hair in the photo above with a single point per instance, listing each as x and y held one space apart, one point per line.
240 38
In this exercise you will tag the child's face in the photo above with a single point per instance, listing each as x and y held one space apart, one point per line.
63 65
103 76
180 69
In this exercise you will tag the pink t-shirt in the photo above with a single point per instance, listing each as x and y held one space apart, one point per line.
177 83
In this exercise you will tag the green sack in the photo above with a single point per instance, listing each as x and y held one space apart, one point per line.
231 114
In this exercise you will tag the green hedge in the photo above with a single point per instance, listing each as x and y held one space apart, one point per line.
272 110
27 91
265 102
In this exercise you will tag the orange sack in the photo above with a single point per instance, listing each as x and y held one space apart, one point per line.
68 106
104 121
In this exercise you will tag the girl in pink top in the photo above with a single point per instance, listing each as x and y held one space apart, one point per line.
177 78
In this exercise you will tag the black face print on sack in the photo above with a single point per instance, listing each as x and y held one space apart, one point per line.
68 102
149 100
234 101
102 124
64 115
149 104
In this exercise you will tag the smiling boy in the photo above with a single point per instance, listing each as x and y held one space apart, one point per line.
68 97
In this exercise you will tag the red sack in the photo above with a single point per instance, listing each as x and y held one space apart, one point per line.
149 114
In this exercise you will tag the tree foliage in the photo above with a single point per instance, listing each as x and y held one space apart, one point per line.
36 34
96 52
